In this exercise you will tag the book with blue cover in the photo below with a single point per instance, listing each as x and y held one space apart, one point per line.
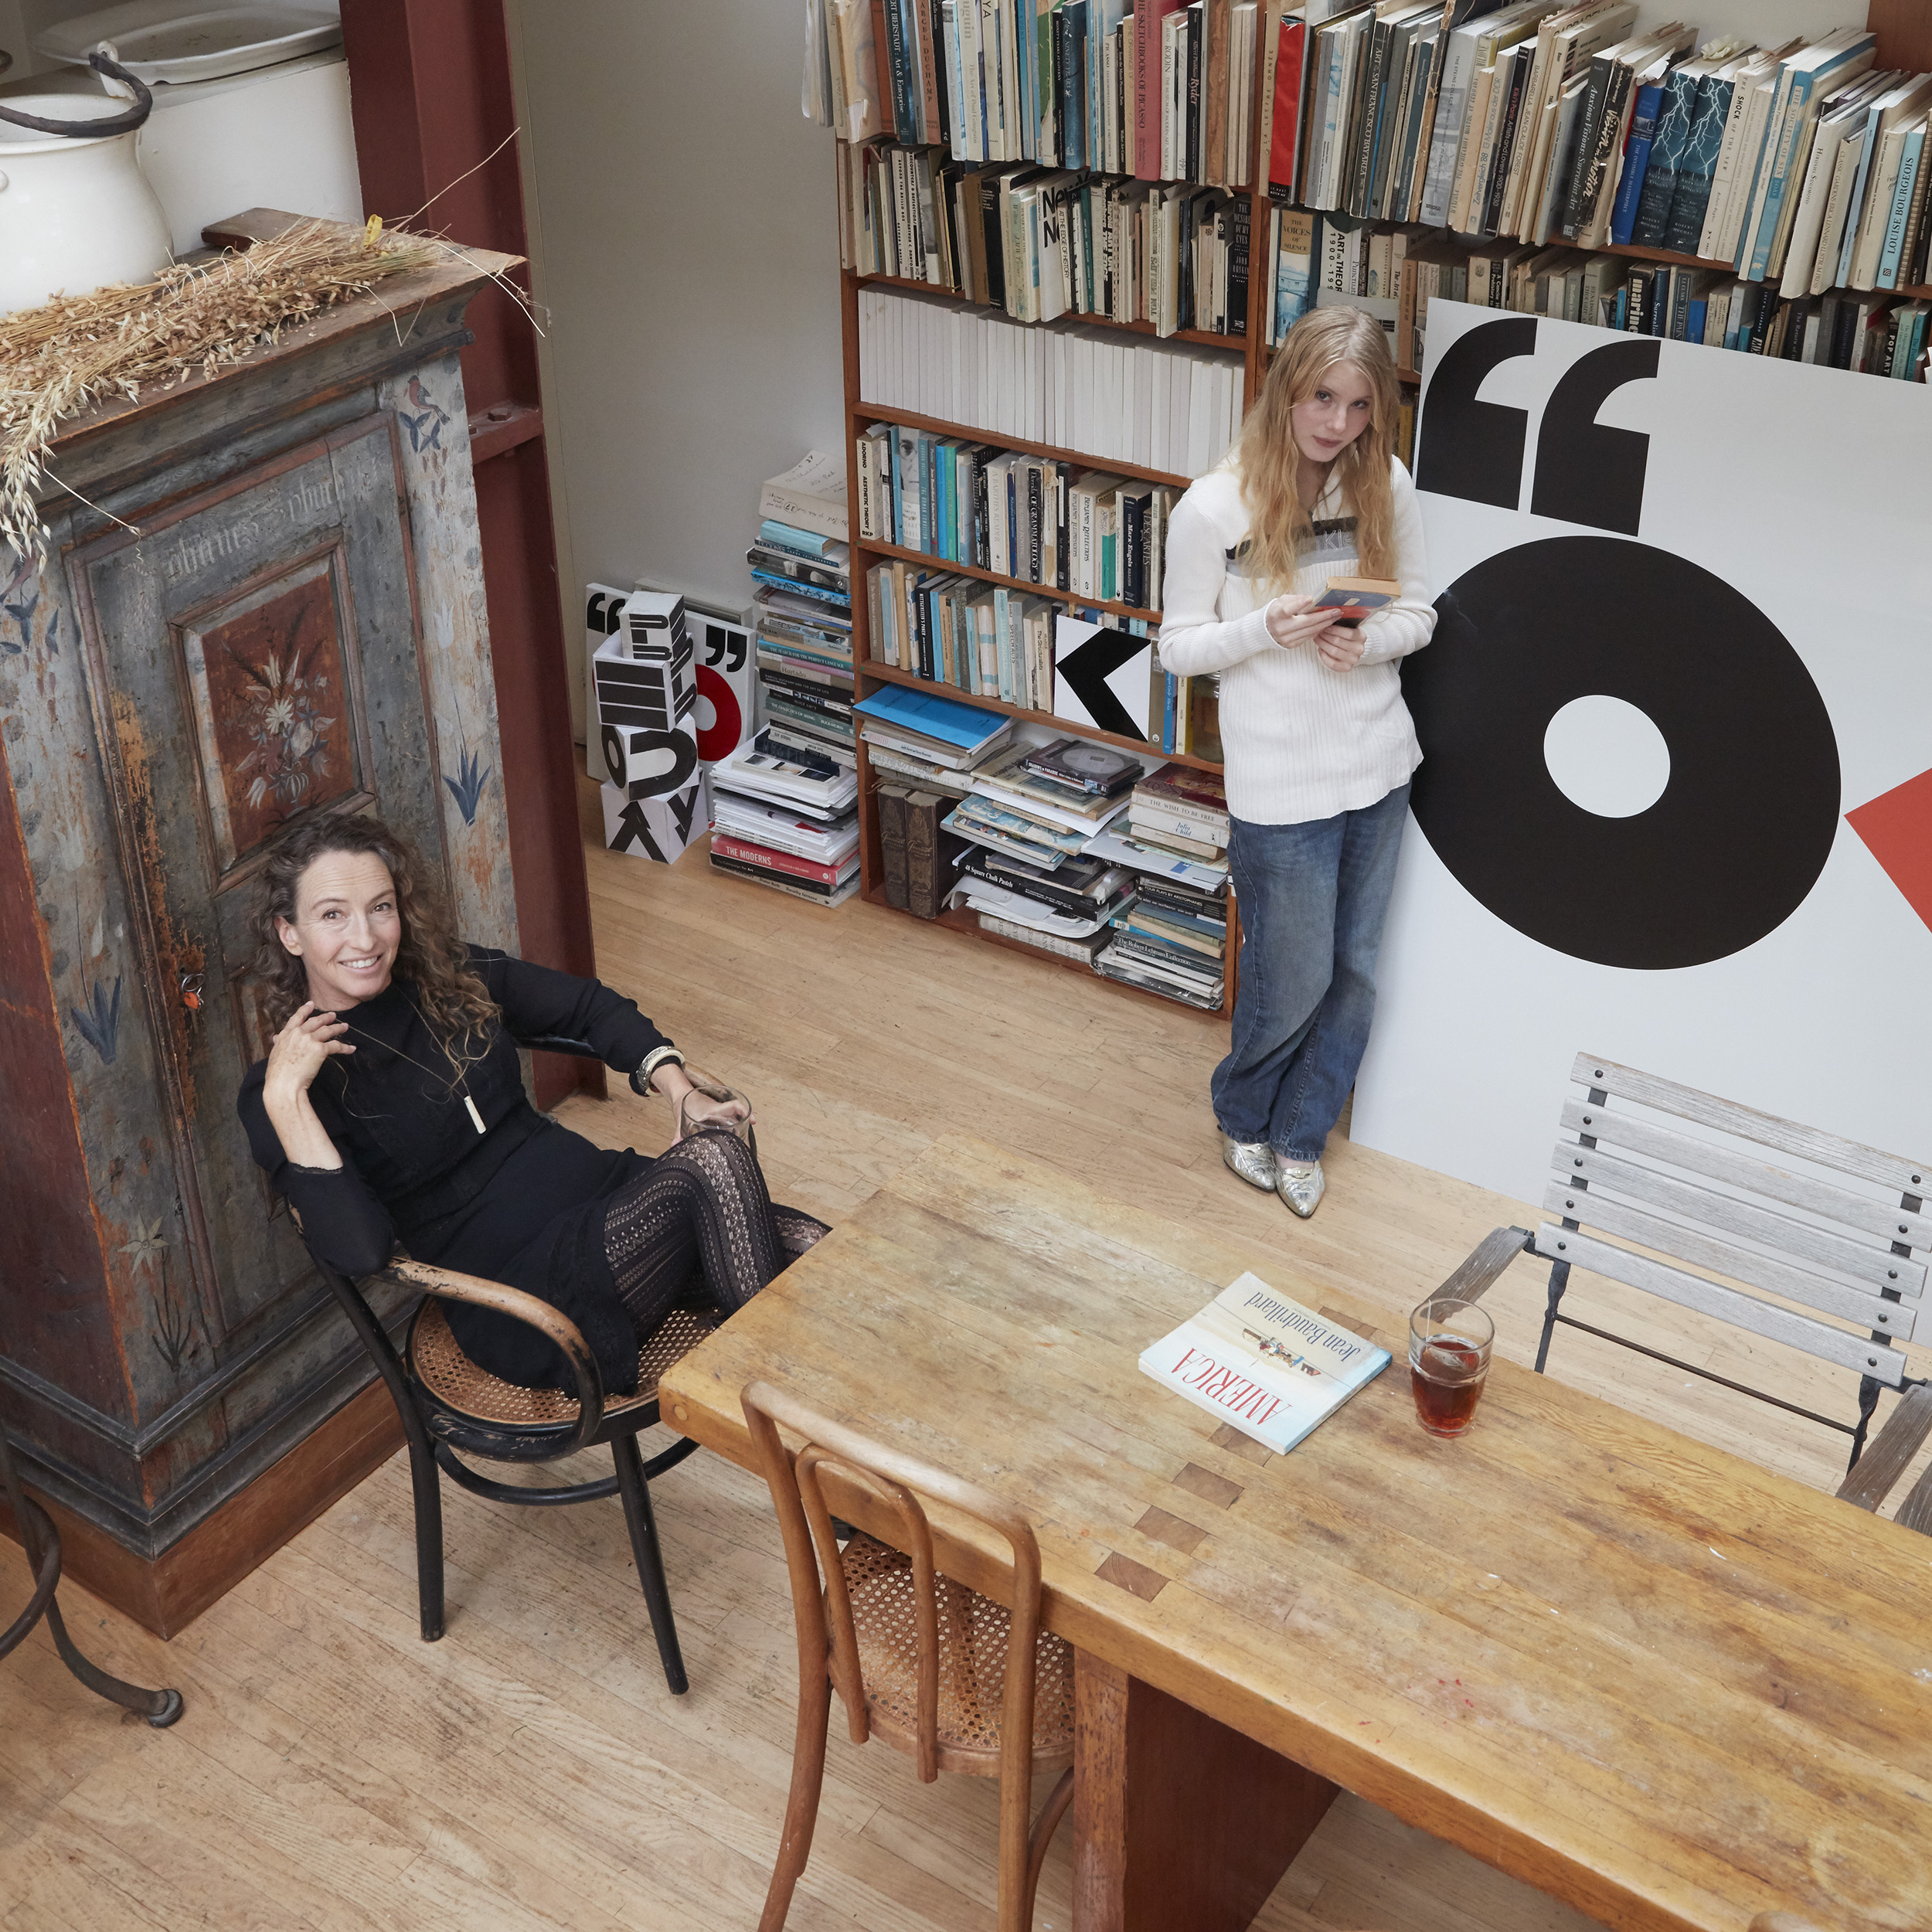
1697 167
962 727
1674 115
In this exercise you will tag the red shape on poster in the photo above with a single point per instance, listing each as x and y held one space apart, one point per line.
1896 826
720 738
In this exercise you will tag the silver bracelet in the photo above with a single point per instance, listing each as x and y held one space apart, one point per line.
653 1059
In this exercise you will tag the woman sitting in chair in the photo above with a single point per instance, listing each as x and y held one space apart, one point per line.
392 1108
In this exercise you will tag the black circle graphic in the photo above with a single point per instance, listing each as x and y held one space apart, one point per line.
1742 828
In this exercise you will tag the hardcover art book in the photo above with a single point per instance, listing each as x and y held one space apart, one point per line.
1272 1368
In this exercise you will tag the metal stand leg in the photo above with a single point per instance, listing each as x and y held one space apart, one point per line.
41 1540
643 1526
1559 1280
1869 1386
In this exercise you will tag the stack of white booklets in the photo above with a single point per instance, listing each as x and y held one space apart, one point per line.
785 814
1146 403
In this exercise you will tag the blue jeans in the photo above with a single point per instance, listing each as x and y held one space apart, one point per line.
1312 899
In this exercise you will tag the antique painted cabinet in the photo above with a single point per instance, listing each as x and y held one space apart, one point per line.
261 599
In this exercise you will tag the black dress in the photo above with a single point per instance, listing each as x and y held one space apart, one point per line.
526 1202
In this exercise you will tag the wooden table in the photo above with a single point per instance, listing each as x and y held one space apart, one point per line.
1648 1678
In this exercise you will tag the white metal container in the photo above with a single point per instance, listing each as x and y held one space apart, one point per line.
75 214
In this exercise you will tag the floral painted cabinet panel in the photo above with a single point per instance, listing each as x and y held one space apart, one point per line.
253 659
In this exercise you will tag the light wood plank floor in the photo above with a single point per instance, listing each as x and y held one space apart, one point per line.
530 1771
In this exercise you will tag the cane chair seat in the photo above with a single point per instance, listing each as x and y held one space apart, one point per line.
972 1666
459 1385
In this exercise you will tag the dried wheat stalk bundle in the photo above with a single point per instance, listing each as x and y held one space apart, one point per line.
62 358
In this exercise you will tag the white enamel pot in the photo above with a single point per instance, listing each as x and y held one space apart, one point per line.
75 211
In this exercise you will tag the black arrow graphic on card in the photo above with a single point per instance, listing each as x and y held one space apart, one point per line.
1085 671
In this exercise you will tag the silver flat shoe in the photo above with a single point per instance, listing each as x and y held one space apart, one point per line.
1252 1160
1301 1188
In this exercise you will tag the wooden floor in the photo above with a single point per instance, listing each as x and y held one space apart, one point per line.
530 1771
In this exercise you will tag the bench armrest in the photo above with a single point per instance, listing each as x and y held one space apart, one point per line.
1491 1256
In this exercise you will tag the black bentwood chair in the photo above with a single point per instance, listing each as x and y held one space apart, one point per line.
448 1404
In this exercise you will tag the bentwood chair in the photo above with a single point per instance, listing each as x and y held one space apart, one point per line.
40 1539
956 1681
1834 1271
448 1404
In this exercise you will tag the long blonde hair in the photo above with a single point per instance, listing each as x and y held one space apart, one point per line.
1266 454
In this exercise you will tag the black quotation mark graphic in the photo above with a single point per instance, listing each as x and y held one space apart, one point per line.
721 644
1742 828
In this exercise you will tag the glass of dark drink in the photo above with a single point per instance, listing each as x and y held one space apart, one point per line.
1449 1343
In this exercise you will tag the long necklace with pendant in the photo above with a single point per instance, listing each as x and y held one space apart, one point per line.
469 1100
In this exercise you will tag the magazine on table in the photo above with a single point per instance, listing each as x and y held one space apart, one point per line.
1255 1359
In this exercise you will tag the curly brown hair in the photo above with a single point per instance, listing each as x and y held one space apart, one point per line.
431 956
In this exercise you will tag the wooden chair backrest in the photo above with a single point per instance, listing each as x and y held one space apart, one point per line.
820 1601
1709 1202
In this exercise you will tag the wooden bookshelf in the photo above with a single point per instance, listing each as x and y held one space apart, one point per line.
1904 27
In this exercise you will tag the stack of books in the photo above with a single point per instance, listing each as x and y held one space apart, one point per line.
934 746
785 813
1172 938
1041 803
1063 911
801 565
1182 810
1029 817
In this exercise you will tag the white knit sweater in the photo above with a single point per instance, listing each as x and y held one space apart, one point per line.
1302 742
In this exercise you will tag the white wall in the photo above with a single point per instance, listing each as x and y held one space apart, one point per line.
686 243
684 236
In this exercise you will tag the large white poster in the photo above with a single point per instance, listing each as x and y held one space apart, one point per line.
1676 805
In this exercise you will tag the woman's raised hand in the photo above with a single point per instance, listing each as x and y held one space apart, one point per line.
1293 620
302 1046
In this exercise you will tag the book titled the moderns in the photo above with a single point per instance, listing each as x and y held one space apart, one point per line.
1271 1367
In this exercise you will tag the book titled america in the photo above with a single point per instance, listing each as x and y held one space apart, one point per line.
1272 1368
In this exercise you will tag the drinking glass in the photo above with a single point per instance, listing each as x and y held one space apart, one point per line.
1449 1343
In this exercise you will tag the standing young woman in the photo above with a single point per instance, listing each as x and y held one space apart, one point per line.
1319 745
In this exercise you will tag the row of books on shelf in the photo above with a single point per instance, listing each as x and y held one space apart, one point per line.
1069 847
1089 533
1144 404
1042 243
1800 163
989 641
1396 273
1164 90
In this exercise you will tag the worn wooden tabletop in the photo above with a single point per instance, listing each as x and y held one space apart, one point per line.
1665 1686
